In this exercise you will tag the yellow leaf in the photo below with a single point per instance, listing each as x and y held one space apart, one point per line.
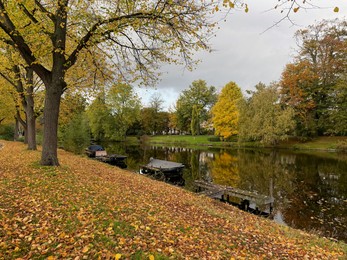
117 256
336 9
51 257
151 257
85 249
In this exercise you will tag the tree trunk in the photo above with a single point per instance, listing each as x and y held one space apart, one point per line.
16 129
23 123
29 109
31 129
49 155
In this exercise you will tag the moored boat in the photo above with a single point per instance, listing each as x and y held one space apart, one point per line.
99 153
164 170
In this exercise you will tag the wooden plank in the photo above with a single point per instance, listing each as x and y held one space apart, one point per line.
217 191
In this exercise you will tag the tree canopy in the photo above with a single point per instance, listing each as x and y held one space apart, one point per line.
199 95
262 118
226 112
313 83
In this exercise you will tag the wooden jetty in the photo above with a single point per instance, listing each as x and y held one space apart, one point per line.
242 198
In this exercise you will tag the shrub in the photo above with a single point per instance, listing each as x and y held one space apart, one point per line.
7 132
214 139
342 146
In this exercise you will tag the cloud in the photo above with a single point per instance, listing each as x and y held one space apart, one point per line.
248 48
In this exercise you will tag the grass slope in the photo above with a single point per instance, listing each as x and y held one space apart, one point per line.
318 143
85 209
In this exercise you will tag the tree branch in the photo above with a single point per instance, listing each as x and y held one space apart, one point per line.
87 37
9 28
44 10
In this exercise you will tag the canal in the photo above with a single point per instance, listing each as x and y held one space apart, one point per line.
309 189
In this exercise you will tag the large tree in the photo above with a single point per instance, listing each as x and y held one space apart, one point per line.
312 82
225 113
137 35
200 96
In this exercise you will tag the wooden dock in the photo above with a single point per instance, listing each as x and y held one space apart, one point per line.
227 194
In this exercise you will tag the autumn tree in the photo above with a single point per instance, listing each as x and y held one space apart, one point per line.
311 82
22 79
199 95
136 36
7 110
225 113
153 119
297 87
262 118
173 121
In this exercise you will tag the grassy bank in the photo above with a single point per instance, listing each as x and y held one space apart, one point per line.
319 143
86 209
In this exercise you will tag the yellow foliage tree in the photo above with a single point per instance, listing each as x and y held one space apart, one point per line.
225 113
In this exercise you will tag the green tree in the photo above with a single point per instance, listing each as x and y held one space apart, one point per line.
99 116
194 124
73 130
225 113
76 136
200 96
124 106
262 118
338 114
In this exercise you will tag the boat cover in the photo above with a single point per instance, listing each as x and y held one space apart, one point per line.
162 164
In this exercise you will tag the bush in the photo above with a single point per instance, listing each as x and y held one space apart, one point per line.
214 139
342 146
7 132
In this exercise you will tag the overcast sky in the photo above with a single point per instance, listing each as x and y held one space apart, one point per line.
244 51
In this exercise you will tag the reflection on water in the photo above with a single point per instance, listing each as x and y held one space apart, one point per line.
310 191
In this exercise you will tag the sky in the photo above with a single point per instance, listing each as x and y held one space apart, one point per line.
247 49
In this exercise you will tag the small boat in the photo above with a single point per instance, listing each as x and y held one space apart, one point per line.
95 150
100 154
164 170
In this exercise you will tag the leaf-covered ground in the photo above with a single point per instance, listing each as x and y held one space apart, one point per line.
85 209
